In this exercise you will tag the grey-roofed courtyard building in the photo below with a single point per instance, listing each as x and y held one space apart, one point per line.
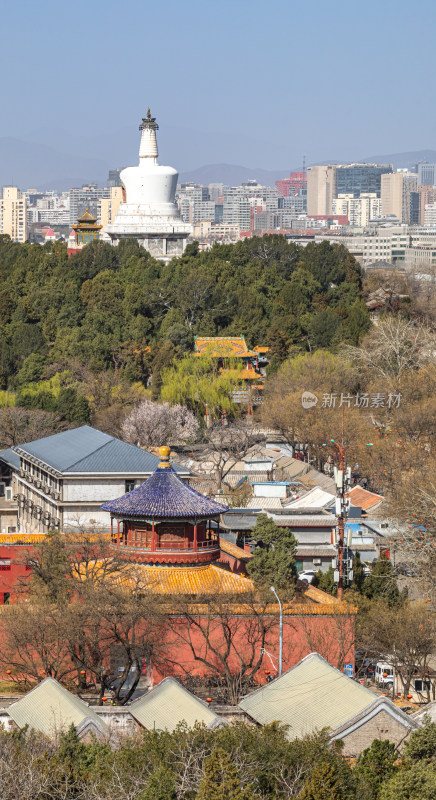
169 704
61 481
51 709
314 695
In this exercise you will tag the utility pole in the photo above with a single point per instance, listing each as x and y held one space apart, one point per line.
280 632
341 514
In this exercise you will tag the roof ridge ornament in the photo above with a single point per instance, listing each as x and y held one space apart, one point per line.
164 453
149 122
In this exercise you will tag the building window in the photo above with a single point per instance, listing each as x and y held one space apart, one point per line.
5 564
130 485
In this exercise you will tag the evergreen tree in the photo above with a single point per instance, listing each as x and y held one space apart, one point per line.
221 780
375 765
381 583
323 784
273 562
417 782
161 785
421 744
358 574
325 581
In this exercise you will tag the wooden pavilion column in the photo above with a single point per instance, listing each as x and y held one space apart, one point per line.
112 530
195 537
153 537
118 533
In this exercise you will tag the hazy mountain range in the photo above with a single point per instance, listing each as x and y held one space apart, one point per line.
32 164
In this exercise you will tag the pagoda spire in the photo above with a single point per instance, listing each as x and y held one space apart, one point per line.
148 145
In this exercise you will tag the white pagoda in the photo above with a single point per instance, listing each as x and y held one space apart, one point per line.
150 214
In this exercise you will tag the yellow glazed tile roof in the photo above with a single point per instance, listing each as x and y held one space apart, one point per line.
21 538
202 580
233 550
216 346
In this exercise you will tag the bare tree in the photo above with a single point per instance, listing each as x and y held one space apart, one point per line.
226 635
405 637
19 425
225 446
392 347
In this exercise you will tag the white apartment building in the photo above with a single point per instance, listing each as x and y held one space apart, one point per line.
359 210
430 215
13 214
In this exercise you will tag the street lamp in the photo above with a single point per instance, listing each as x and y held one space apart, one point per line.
280 631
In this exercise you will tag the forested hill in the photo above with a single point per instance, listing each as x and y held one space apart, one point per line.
103 308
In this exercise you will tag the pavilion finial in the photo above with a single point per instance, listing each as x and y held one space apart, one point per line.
164 453
148 113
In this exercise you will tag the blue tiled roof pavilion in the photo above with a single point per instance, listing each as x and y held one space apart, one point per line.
164 496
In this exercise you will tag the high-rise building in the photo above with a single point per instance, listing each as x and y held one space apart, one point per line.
150 213
359 210
295 184
396 190
321 190
430 215
114 177
88 197
13 214
357 179
109 205
426 174
427 196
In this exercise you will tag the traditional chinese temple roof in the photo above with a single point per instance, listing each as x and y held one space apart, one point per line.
209 579
87 217
164 496
222 347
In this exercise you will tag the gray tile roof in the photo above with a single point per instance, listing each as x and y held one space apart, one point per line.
308 697
88 450
168 704
51 709
239 522
11 458
303 521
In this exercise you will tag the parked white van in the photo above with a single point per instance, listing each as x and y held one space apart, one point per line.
384 674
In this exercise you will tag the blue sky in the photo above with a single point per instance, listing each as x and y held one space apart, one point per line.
251 83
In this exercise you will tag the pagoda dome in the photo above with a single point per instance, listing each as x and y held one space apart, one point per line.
87 218
164 496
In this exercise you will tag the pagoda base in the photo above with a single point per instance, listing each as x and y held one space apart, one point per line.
164 247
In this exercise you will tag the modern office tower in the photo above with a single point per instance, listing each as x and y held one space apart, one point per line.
88 197
357 179
13 214
150 214
396 190
426 174
321 190
109 205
